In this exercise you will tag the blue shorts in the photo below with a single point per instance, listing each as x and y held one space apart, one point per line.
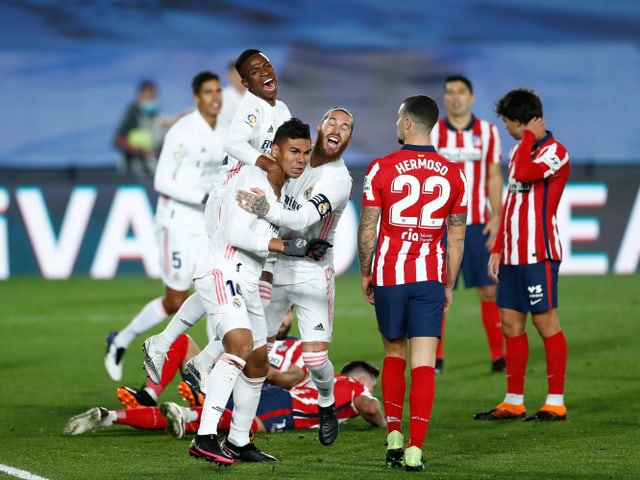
410 310
475 258
528 288
274 409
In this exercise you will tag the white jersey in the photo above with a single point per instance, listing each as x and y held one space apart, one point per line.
192 163
231 98
240 239
312 206
252 129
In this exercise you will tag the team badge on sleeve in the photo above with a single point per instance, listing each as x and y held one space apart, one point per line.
322 204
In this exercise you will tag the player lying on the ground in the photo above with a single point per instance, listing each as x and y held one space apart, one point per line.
279 409
287 369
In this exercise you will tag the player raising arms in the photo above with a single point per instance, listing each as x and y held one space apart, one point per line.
417 195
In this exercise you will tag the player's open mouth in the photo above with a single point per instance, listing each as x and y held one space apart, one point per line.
333 140
269 85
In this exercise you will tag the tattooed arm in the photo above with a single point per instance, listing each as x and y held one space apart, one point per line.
367 236
456 228
253 202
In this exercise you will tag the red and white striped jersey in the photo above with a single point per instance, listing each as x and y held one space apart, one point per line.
476 147
416 189
286 353
538 173
304 400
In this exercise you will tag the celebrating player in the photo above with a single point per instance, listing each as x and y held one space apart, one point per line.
312 207
192 164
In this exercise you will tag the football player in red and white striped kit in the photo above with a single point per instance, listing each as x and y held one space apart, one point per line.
475 143
417 195
527 254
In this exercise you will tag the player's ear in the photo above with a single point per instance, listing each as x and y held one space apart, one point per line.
275 151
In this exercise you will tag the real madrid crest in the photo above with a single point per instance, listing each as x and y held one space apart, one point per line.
307 193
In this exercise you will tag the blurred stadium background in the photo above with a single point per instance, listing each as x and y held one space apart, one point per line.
68 69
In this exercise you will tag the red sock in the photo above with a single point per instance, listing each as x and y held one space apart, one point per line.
555 348
516 357
148 418
491 321
393 385
421 394
172 363
440 348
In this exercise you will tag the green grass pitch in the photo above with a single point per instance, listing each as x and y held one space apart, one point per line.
52 341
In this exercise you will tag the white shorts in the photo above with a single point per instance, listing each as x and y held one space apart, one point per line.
231 302
179 251
314 301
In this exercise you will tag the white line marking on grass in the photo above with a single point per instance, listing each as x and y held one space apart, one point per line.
16 472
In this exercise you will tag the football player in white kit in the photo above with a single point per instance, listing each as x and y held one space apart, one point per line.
312 206
191 163
249 139
227 283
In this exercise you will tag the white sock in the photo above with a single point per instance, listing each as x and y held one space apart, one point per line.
246 395
321 372
109 420
187 316
190 415
223 375
211 353
555 400
151 315
152 394
513 399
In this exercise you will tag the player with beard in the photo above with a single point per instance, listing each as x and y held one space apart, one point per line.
312 205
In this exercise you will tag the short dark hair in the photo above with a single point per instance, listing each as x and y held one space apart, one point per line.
243 58
199 79
520 104
292 129
146 83
459 78
423 109
356 365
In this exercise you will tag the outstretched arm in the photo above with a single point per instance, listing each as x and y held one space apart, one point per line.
369 408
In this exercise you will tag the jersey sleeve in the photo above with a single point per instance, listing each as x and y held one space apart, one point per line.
547 163
245 122
331 193
371 198
239 222
494 154
166 180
